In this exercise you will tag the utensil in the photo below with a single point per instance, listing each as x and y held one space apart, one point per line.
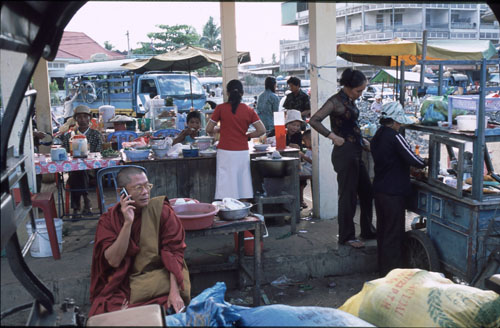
232 215
262 147
196 216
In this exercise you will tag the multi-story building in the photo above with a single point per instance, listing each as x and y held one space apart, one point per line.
358 22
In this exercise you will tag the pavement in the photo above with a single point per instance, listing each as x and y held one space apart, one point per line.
311 253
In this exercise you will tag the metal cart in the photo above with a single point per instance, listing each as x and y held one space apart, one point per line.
458 230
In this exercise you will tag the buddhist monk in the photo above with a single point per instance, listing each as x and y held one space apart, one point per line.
138 256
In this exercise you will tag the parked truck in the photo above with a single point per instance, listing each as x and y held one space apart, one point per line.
109 83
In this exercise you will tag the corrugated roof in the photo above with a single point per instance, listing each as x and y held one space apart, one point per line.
80 45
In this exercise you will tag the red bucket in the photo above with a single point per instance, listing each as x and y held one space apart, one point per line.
248 244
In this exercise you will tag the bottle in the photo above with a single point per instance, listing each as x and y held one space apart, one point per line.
417 150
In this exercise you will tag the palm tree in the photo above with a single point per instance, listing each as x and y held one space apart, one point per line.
211 36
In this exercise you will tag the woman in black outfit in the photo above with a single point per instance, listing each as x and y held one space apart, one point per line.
352 176
393 157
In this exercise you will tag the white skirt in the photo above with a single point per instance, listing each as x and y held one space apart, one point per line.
234 178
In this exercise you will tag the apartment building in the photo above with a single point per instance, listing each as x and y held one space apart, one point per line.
358 22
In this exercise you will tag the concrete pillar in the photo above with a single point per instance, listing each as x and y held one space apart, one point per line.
323 43
10 68
42 104
228 44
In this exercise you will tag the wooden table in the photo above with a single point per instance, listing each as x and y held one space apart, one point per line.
250 223
192 177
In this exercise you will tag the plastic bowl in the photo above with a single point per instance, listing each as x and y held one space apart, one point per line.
196 216
137 155
208 153
190 152
262 147
160 153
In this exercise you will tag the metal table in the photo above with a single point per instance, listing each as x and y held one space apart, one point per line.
224 227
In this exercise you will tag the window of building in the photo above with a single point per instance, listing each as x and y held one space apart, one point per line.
398 19
302 6
380 20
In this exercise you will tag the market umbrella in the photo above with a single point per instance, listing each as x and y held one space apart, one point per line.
393 76
186 58
385 53
391 53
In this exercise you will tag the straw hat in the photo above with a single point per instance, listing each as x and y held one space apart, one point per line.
293 115
81 109
395 111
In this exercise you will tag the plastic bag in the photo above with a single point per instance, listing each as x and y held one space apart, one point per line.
432 116
208 309
414 297
305 316
441 106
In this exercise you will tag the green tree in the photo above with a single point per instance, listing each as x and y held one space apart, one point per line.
273 59
211 36
108 45
171 38
54 88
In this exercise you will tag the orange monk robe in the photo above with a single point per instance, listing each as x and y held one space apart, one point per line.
110 287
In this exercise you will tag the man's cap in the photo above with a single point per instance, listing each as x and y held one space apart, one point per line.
395 111
81 109
293 115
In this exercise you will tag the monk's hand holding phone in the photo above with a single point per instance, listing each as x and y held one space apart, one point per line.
126 206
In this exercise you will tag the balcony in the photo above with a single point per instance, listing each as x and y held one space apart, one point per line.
378 28
437 27
488 26
292 67
463 26
293 45
356 29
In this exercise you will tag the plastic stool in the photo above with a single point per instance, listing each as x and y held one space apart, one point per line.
45 201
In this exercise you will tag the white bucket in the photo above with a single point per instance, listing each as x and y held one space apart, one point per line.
468 122
107 112
41 244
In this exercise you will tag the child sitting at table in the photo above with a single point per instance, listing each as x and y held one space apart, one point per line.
192 129
293 124
306 165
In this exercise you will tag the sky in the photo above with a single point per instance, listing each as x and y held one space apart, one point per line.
258 24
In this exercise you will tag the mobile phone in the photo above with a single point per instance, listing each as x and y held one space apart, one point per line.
124 192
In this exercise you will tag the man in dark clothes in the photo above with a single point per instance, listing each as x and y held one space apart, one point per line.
393 157
297 99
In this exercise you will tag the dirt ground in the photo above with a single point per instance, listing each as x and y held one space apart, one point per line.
330 291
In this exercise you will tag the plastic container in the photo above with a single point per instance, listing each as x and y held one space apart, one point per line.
41 244
57 153
468 122
280 130
248 243
79 146
196 216
107 112
190 152
137 155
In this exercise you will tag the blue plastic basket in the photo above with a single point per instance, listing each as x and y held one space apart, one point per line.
137 155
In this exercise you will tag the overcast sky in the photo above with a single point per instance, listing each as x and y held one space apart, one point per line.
258 24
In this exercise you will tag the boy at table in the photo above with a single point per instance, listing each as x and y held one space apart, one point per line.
192 129
138 256
80 179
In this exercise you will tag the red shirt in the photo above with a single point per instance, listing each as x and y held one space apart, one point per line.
233 127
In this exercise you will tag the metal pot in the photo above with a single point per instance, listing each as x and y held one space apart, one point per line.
231 215
272 168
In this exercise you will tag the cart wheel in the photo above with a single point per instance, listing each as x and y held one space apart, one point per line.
419 252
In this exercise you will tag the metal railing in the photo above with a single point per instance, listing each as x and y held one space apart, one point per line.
464 26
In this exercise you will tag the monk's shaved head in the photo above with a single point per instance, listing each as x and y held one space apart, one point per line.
124 177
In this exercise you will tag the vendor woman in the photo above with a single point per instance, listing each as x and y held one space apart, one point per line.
233 177
393 157
192 129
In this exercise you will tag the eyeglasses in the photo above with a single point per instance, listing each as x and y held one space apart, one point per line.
137 189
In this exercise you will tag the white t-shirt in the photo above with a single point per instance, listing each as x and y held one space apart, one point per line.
68 106
218 92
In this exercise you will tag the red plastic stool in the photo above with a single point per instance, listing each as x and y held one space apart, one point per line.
45 201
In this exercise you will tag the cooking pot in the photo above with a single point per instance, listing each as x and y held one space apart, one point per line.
272 168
